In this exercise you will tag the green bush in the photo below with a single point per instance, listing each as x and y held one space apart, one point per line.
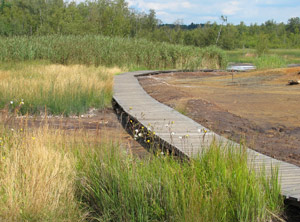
270 61
262 45
214 58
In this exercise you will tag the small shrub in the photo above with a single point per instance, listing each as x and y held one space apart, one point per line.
262 45
213 58
270 61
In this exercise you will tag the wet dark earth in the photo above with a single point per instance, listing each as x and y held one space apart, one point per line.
280 140
102 124
241 110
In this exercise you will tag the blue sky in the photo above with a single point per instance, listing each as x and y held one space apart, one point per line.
201 11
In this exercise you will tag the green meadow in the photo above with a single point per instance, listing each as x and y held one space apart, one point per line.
273 58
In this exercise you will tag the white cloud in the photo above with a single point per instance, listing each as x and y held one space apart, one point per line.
231 8
201 11
209 18
162 13
131 3
168 11
159 6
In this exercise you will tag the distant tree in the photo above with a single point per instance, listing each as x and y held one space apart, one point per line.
152 22
224 20
293 25
188 38
2 5
115 18
229 38
242 32
262 45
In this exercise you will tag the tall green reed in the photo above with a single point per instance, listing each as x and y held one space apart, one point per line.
97 50
270 61
108 51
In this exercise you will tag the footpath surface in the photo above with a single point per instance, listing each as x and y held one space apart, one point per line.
185 136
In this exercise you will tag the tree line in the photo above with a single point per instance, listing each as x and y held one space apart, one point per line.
115 18
44 17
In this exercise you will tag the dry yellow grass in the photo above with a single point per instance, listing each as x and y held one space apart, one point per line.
28 81
63 89
36 180
37 177
38 166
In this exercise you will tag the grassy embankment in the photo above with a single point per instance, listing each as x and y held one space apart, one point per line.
275 58
50 175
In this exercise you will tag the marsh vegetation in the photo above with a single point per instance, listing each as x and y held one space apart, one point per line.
58 59
52 174
49 175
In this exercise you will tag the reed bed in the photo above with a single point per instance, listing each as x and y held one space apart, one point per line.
99 50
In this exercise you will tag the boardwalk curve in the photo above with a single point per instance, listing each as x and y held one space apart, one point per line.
181 134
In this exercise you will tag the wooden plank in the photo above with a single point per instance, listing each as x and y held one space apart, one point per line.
164 121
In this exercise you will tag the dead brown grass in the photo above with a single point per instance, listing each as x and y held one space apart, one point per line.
37 179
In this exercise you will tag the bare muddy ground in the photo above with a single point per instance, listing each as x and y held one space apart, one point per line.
253 107
101 124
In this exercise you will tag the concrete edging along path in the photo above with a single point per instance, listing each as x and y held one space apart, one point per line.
180 134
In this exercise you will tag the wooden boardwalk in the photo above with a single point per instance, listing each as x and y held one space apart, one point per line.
182 134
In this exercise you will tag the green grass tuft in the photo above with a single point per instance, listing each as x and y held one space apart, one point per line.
288 56
270 61
216 187
56 175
